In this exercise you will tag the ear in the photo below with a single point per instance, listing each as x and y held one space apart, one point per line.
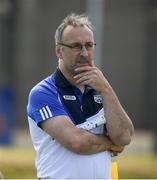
58 52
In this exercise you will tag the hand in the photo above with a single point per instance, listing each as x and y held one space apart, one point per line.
116 149
92 76
110 146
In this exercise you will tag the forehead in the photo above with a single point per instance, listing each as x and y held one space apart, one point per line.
77 34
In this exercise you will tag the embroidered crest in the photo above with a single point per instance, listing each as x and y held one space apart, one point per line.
69 97
98 98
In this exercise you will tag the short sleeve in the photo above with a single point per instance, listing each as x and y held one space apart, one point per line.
43 104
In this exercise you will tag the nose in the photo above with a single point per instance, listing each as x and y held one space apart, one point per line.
84 52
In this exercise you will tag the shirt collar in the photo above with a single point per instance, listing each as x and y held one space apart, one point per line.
61 81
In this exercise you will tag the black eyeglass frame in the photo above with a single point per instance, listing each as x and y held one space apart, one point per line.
81 46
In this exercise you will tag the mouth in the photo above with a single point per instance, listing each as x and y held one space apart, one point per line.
82 63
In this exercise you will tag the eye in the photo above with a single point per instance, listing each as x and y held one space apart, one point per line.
76 46
89 45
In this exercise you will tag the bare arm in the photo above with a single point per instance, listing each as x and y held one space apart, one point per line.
77 140
119 125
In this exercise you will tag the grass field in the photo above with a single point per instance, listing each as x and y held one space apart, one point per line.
18 163
138 166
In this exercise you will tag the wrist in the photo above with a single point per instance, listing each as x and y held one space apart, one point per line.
108 143
106 89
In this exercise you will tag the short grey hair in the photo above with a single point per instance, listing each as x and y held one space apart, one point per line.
74 20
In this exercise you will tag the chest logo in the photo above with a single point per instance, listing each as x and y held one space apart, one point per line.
98 99
69 97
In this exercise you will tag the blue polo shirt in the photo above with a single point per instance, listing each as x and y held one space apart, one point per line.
55 96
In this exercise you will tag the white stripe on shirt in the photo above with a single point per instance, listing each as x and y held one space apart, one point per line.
49 112
45 112
42 114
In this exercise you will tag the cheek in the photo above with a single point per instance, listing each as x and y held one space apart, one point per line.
91 56
71 57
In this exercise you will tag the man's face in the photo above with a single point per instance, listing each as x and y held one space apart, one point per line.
71 58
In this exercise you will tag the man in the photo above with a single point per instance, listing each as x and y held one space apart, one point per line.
75 117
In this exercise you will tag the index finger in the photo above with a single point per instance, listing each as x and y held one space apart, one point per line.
84 68
91 63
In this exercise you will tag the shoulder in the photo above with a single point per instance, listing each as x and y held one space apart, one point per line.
44 101
42 94
44 88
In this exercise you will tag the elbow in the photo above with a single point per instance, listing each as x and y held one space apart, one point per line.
76 147
123 139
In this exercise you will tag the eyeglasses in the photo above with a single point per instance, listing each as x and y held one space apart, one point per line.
78 46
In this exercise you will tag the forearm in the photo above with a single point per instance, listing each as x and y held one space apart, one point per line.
89 143
75 139
119 125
